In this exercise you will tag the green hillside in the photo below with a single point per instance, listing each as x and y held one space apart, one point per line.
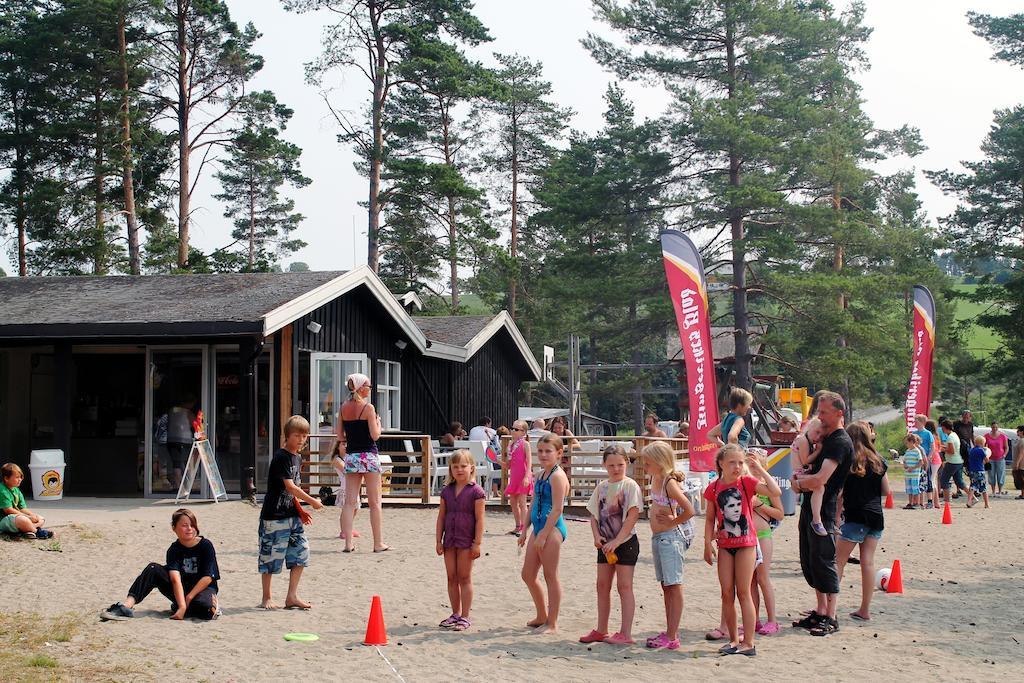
981 341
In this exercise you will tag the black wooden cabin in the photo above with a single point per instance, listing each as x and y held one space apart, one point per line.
107 368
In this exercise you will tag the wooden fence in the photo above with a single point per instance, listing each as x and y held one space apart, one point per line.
582 463
406 475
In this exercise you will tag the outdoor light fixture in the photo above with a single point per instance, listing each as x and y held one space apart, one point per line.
314 327
401 344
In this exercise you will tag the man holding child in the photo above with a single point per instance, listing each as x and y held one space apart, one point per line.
818 553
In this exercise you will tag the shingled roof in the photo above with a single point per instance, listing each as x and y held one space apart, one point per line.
238 297
220 304
457 330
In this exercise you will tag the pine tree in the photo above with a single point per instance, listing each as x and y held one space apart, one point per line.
206 60
431 142
373 37
524 124
988 221
732 67
258 164
594 237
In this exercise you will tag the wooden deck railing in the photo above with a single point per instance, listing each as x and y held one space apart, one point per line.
406 473
583 465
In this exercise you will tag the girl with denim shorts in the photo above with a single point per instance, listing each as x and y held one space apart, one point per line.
863 522
672 533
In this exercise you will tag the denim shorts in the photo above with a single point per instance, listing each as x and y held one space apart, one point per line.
282 542
856 533
667 549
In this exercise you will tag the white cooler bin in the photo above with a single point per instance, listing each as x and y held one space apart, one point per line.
47 468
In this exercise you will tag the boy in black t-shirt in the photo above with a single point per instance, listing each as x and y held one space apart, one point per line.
282 537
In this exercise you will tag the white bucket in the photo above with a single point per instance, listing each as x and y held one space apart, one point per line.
47 470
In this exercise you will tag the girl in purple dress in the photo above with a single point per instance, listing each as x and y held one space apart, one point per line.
460 529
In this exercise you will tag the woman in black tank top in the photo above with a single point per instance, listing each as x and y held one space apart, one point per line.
358 431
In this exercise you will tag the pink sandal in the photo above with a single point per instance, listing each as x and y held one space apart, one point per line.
593 637
661 641
619 639
769 629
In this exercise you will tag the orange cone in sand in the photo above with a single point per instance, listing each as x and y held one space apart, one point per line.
947 514
375 633
889 502
895 584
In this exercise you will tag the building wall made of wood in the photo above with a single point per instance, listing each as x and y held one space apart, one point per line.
488 384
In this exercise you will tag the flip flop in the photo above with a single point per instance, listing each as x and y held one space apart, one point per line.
348 550
383 550
619 639
715 634
594 636
857 617
298 607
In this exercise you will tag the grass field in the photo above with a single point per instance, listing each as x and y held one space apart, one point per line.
981 341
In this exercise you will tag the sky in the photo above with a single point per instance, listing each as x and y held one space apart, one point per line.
927 70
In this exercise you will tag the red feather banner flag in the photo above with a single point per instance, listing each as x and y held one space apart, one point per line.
919 391
687 286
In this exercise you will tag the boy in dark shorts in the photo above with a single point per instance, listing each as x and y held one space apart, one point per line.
282 537
976 459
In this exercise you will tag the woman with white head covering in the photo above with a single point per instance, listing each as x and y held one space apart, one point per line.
358 431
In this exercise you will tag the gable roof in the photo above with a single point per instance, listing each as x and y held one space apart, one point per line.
459 337
140 299
222 304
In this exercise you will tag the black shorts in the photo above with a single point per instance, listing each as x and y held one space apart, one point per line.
628 553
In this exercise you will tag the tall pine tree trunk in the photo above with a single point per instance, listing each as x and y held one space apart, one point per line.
379 67
514 242
252 226
21 212
100 251
837 268
184 151
741 335
127 182
453 231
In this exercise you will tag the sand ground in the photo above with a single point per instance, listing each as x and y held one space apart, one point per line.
960 617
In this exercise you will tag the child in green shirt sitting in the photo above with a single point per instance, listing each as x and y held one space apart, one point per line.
15 517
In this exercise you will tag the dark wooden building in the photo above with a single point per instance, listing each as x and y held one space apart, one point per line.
110 369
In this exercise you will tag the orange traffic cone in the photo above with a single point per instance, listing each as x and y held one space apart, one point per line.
947 514
889 502
895 584
375 633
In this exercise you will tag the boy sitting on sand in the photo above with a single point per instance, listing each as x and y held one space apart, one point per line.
15 517
282 536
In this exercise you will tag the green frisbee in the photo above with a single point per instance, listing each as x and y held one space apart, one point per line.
301 637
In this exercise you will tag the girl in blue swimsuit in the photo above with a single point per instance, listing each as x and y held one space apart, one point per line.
545 543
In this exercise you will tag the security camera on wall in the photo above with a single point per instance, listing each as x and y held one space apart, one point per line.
314 327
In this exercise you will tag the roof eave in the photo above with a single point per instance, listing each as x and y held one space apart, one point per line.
315 298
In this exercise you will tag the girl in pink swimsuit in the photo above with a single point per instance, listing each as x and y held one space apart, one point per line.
520 475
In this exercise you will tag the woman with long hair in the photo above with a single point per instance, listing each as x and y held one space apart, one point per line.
862 513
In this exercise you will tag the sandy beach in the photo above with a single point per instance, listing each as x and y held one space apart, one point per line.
959 618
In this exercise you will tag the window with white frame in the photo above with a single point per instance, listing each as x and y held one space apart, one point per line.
389 394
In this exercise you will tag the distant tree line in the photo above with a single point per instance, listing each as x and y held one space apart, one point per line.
111 112
476 184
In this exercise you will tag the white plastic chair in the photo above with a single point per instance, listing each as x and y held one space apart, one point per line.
485 474
438 469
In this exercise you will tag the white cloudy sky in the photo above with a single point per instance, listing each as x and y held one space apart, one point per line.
928 70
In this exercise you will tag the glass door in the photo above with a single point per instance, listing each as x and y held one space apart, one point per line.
328 372
176 393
